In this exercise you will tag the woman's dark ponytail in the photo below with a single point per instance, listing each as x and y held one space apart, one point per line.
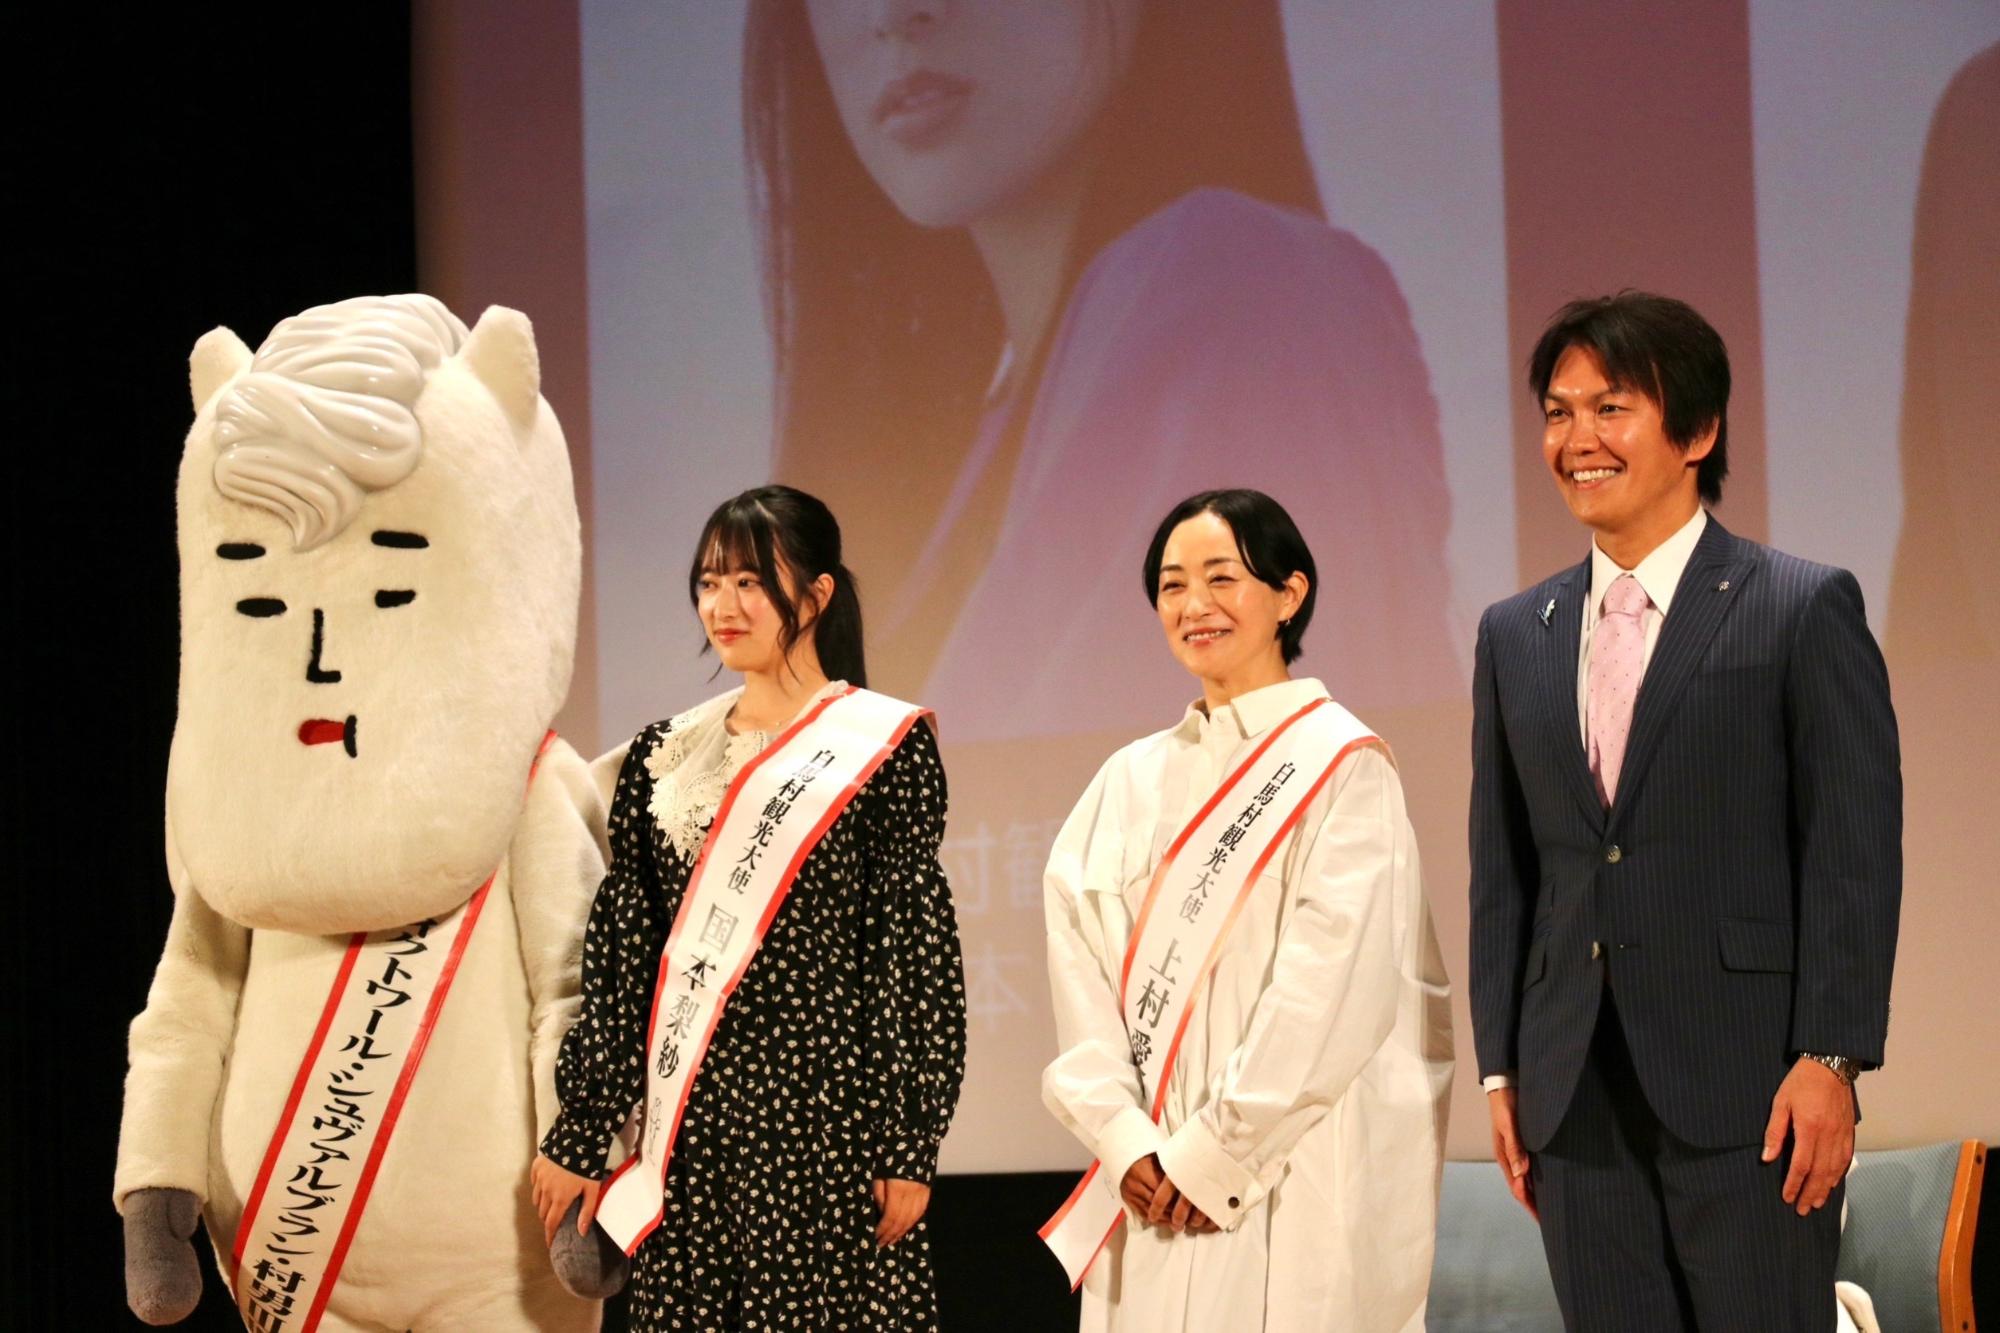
837 632
765 526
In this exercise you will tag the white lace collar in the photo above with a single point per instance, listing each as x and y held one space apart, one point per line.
695 762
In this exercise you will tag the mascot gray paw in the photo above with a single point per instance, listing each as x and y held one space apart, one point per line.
162 1275
590 1266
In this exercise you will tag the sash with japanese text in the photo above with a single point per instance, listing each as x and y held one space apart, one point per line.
313 1186
773 814
1194 898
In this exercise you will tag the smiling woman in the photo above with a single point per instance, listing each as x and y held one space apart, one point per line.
1281 1155
699 956
1234 586
773 595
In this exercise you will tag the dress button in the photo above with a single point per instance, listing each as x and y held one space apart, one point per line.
1615 855
1596 950
1235 1202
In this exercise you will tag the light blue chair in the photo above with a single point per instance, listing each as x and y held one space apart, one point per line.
1911 1217
1490 1275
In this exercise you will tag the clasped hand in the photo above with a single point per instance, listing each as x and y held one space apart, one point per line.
1148 1192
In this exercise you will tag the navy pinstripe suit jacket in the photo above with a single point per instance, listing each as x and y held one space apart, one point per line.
1745 885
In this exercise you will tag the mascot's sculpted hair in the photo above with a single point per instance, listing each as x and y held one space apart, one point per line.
325 414
380 562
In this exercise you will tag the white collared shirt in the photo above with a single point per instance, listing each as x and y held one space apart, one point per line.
1306 1109
1659 574
1250 713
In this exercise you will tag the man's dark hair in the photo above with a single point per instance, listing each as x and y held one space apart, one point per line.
1268 543
1656 346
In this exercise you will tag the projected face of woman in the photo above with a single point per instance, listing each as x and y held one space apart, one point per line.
961 107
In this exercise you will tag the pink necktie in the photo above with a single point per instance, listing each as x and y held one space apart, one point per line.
1617 662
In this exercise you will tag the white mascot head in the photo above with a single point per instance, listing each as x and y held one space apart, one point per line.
379 569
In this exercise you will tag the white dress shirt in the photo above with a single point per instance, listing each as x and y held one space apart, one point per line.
1305 1113
1659 574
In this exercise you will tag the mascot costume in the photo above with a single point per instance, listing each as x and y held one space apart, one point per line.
381 858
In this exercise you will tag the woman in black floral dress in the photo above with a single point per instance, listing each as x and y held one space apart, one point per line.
800 1173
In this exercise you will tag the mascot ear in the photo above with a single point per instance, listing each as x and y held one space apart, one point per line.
219 356
501 352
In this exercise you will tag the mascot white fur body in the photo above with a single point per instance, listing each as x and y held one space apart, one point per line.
379 574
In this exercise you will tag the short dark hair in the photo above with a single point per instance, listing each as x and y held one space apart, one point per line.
1656 346
769 524
1266 539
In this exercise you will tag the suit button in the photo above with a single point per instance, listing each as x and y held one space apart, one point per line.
1235 1202
1596 950
1615 855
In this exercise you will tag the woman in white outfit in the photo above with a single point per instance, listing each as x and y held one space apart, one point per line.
1287 1177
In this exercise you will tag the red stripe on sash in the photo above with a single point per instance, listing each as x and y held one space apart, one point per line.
338 1256
1215 950
395 1107
1070 1203
755 762
1174 849
291 1110
728 987
1236 909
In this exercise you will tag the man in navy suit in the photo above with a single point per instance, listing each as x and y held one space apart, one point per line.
1686 860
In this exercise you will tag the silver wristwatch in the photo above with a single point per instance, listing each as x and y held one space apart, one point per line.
1839 1064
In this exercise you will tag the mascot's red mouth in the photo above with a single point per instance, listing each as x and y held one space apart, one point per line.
325 731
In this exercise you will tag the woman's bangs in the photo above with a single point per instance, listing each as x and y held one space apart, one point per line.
735 542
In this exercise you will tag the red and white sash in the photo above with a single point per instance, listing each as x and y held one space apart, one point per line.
775 812
1195 897
310 1192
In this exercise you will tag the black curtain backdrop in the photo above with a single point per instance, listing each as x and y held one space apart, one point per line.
178 172
197 168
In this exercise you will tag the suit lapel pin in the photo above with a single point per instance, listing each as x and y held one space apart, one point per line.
1550 609
1722 586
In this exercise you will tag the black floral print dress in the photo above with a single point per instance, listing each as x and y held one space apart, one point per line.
837 1062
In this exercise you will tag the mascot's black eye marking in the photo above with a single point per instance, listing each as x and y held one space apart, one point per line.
261 606
402 541
389 597
239 550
